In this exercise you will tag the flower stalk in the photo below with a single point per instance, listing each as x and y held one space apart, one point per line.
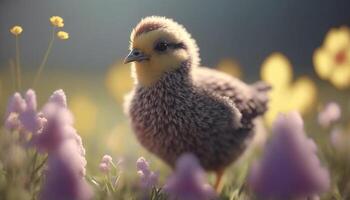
46 56
18 65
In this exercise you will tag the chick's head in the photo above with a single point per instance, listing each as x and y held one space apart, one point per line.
159 45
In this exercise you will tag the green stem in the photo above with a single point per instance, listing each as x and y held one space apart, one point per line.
13 75
18 65
46 56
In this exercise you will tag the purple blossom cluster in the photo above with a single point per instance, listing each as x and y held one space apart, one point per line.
188 181
329 114
105 164
148 178
21 114
289 168
340 140
51 131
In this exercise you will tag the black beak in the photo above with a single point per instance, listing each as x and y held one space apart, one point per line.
135 55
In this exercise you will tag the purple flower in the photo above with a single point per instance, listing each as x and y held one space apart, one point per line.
12 123
30 99
188 182
31 121
330 114
148 178
59 98
65 175
53 133
105 164
21 114
58 127
340 140
289 167
16 104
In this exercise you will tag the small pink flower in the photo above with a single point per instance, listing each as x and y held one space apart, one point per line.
188 182
340 140
148 178
289 167
105 164
330 114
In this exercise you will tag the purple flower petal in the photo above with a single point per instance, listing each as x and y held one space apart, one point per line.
148 178
188 182
105 164
65 175
58 98
289 167
30 99
330 114
12 123
107 159
16 104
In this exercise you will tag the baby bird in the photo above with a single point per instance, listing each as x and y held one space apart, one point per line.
179 107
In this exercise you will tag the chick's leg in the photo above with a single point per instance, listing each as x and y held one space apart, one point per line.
219 175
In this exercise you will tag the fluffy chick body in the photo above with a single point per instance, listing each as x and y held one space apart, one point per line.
187 108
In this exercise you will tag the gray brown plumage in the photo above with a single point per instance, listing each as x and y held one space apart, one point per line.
187 108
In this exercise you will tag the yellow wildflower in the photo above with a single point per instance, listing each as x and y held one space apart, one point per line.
57 21
16 30
332 59
286 95
62 35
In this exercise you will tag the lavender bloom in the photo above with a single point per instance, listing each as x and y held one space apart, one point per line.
289 168
188 183
57 128
12 123
58 98
65 175
30 99
330 113
53 133
66 154
31 121
148 178
340 140
16 104
21 114
105 164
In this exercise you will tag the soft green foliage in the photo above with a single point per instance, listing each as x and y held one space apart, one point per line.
21 168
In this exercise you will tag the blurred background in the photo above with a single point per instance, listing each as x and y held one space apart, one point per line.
271 40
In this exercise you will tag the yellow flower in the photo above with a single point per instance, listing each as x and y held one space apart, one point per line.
16 30
286 95
57 21
332 59
62 35
231 67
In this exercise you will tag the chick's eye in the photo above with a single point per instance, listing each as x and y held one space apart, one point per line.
161 46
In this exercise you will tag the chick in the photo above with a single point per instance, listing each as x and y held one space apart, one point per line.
177 106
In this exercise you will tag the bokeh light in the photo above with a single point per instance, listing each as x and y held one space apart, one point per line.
287 94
